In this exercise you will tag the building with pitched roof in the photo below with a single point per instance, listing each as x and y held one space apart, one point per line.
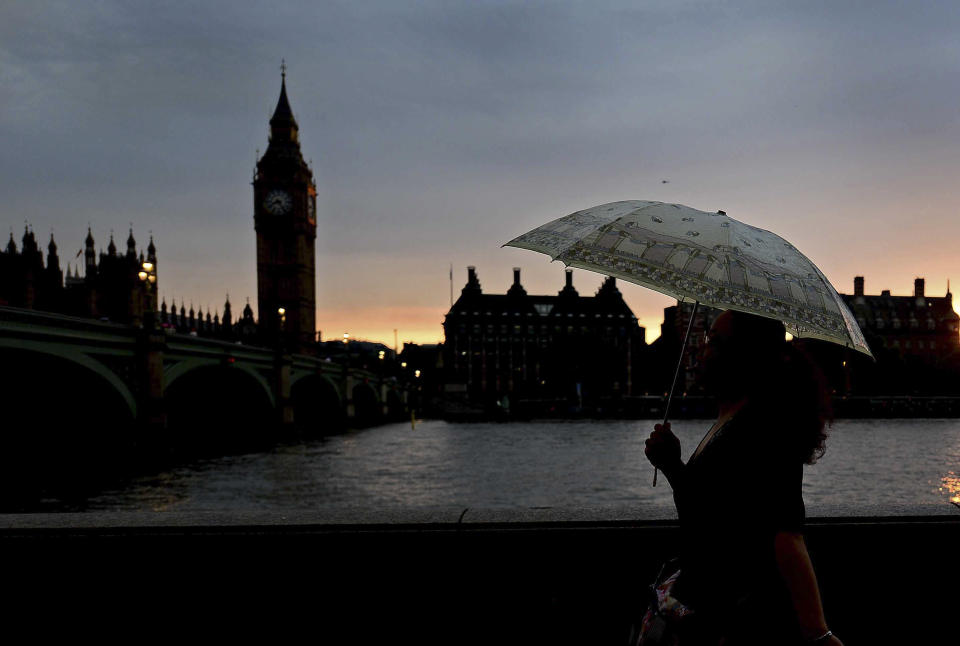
920 326
915 340
569 347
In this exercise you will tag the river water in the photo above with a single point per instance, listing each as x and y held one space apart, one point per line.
560 464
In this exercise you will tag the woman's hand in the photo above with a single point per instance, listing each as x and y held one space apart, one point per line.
663 450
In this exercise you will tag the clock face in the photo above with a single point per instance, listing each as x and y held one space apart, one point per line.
277 202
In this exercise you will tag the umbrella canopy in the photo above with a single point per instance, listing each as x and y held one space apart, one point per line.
704 257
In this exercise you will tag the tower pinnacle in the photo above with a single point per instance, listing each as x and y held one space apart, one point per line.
283 126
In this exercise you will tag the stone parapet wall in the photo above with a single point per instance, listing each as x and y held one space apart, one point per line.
452 575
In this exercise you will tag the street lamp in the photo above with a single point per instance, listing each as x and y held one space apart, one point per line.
148 276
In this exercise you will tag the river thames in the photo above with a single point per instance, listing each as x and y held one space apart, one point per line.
559 464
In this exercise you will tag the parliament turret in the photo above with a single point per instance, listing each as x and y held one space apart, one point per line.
89 256
131 245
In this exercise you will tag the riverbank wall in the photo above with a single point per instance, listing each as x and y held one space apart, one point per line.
446 576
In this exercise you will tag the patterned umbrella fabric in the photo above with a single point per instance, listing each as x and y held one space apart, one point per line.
697 256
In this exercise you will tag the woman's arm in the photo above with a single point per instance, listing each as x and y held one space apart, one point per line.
795 567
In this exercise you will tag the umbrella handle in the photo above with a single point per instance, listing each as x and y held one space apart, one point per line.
676 373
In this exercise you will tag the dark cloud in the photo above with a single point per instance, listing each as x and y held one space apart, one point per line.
440 129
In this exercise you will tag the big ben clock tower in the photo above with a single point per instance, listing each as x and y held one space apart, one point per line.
284 207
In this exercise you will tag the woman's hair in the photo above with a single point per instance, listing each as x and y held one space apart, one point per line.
785 382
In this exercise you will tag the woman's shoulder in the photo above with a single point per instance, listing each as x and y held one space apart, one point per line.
758 431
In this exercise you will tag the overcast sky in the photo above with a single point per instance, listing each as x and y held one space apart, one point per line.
440 130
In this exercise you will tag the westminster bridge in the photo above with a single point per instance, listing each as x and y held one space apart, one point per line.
77 384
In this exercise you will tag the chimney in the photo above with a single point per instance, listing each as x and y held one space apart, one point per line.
858 286
568 291
473 284
517 289
918 287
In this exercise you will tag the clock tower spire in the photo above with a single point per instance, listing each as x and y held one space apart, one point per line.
284 216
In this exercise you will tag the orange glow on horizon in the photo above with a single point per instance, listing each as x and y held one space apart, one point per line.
422 325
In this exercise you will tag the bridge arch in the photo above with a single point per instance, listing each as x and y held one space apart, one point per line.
181 368
396 411
68 422
318 408
74 356
367 409
213 407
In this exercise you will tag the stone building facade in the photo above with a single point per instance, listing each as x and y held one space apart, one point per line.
108 288
565 346
915 340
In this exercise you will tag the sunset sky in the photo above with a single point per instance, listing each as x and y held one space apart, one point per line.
440 130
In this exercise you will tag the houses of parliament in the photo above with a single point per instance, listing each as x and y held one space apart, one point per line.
122 286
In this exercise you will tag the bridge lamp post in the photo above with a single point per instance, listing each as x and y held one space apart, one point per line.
148 276
281 324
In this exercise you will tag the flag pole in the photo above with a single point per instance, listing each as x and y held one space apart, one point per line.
676 373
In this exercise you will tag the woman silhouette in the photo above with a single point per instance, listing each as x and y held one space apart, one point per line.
744 567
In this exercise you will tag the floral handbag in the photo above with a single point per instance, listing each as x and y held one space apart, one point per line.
667 618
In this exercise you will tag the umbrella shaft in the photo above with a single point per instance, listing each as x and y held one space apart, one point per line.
676 373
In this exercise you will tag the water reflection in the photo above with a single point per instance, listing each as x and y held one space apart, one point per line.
950 485
576 464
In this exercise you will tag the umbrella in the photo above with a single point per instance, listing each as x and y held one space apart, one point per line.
706 258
